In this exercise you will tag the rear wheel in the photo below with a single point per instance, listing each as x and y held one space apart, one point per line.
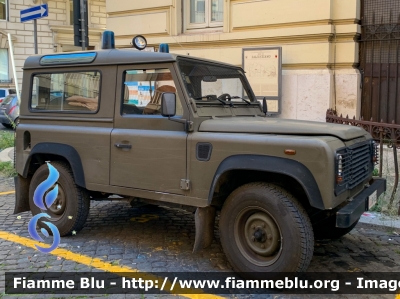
71 207
264 229
8 126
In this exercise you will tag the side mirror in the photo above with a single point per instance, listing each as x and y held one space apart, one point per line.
264 106
168 104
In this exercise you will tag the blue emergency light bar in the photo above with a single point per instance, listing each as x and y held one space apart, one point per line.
108 40
164 48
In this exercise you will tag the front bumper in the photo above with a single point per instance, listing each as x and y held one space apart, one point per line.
350 213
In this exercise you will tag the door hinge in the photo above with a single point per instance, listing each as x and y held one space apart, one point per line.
185 184
189 126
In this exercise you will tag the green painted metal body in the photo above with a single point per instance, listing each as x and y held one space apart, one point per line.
163 153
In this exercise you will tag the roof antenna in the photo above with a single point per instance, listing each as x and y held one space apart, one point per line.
179 44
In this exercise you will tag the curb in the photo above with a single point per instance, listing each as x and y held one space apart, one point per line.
380 219
4 157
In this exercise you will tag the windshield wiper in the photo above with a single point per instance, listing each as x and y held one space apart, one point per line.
237 97
211 97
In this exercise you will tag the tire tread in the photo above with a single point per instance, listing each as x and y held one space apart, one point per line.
297 212
83 199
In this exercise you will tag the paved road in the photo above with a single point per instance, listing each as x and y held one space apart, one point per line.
161 239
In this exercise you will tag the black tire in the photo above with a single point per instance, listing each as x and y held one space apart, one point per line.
72 200
327 230
262 209
8 126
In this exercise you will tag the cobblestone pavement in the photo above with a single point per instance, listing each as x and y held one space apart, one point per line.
157 239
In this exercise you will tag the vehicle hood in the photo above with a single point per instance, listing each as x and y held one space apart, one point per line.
260 125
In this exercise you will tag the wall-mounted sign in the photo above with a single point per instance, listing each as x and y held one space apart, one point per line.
263 67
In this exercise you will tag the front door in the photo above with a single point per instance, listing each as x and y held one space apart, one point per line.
148 151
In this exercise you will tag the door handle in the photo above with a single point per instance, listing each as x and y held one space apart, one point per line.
121 145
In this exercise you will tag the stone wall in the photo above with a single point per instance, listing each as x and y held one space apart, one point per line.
55 34
318 40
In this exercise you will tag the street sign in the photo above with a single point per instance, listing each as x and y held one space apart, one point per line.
35 12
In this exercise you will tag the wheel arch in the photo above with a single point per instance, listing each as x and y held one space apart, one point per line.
238 170
42 152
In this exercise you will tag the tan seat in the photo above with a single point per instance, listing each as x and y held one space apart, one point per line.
154 107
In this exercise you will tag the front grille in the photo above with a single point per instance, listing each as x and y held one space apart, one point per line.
356 164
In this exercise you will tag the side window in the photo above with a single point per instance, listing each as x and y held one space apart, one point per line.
143 90
78 91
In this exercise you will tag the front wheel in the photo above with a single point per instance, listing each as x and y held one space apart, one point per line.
264 229
71 207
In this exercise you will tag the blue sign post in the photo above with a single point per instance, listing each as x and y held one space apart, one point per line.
34 13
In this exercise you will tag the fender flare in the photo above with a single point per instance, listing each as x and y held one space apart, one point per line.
63 150
291 168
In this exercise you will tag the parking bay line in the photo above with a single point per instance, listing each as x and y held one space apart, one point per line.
103 265
7 192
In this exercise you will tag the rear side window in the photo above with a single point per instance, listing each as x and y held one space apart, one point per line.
66 92
2 93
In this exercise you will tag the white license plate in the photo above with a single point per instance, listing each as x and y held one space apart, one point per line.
372 200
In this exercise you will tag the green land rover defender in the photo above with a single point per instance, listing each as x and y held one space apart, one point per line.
177 130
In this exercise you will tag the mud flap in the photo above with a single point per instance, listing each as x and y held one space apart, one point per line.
21 194
204 222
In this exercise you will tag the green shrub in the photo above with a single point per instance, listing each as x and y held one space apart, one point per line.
6 139
7 169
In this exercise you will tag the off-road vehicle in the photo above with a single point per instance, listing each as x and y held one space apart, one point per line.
177 130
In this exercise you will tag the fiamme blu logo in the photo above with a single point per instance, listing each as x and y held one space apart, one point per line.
44 196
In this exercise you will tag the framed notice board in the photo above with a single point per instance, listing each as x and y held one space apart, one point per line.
263 67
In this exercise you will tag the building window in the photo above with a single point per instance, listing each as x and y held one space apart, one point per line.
3 9
70 10
204 13
3 64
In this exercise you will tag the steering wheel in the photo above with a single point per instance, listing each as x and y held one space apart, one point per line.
225 97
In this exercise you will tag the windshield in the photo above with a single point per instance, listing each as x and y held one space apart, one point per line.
212 84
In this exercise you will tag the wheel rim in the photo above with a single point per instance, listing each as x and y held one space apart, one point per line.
258 236
57 209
